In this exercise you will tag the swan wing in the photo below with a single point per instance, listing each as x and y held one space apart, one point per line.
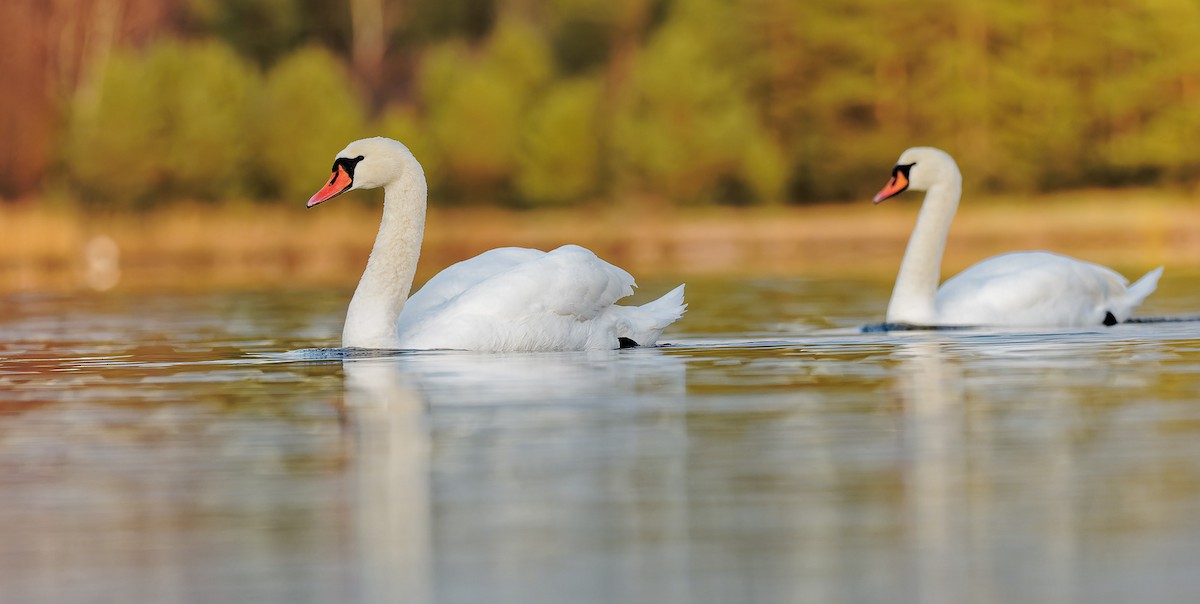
570 281
461 276
1032 289
552 301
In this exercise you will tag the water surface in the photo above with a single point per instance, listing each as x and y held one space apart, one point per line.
158 448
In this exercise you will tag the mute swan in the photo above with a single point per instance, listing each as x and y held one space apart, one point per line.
506 299
1020 289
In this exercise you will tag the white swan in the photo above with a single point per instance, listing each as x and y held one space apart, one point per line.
1020 289
506 299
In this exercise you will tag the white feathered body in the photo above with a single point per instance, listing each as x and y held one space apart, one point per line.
518 299
1027 289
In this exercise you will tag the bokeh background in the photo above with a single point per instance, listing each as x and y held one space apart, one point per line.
127 106
531 102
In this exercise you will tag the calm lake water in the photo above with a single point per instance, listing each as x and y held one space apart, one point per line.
160 448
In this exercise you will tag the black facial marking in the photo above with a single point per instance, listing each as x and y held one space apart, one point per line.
1109 319
626 343
347 164
902 169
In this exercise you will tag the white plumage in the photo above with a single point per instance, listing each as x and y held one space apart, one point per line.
506 299
1019 289
523 299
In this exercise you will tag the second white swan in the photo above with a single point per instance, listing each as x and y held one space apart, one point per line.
506 299
1019 289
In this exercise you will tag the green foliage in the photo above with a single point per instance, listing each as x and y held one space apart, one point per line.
582 33
261 29
476 102
763 168
685 123
169 123
264 31
439 19
195 121
561 144
112 144
404 124
309 111
210 91
477 124
1025 95
696 101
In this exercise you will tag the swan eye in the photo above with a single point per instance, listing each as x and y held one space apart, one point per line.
903 169
348 164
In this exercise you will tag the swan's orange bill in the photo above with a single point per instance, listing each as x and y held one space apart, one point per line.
338 184
895 186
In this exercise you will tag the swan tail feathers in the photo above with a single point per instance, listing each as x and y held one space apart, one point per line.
647 322
667 309
1145 286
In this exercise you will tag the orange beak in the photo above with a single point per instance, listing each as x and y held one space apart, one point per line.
895 186
338 183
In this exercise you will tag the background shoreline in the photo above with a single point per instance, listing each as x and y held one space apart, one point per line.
57 249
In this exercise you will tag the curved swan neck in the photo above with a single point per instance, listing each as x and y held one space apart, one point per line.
387 280
915 293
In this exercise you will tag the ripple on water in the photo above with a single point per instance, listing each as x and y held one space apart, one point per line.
209 448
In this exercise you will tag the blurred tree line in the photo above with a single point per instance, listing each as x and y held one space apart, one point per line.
537 102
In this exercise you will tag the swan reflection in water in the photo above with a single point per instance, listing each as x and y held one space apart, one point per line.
387 418
457 451
997 438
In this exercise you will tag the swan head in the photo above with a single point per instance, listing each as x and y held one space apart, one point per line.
920 169
368 163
